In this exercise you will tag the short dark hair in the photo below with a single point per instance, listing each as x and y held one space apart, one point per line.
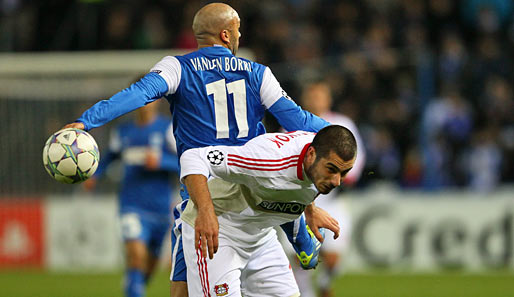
337 139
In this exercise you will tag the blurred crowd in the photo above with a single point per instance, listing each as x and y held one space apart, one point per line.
428 82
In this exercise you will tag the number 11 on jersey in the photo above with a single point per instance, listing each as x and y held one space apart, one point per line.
219 90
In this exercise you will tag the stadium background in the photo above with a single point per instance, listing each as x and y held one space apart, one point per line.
428 82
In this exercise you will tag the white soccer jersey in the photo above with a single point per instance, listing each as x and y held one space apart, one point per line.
254 187
271 186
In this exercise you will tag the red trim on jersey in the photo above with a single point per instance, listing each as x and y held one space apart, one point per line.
299 166
263 164
261 168
262 160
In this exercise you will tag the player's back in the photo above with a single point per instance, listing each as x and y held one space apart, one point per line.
217 100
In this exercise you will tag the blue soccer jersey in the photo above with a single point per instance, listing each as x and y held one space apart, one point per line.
218 98
147 192
215 97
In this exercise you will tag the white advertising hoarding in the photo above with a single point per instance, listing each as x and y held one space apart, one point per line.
393 229
82 232
430 232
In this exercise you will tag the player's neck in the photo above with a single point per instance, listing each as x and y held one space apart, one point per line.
210 44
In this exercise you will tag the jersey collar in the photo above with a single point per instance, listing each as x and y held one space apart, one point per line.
299 166
216 48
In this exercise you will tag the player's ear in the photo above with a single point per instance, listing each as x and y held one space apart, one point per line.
225 36
310 155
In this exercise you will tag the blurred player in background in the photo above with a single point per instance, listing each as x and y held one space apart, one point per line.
276 176
147 150
317 98
216 98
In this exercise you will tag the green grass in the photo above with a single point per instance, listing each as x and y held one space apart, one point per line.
426 285
43 284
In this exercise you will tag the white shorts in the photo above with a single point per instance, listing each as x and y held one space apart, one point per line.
238 268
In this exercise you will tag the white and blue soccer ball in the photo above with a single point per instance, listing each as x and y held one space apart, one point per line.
71 156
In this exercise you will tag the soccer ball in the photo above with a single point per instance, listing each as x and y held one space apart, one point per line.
71 156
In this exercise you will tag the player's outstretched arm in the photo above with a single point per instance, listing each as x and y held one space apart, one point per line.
206 223
148 89
318 218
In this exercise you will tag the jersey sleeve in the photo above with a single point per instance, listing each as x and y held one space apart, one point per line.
148 89
289 115
260 158
292 117
170 70
270 91
197 161
215 161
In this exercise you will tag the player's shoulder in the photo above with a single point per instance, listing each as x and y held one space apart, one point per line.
167 64
170 59
285 142
257 74
258 67
187 57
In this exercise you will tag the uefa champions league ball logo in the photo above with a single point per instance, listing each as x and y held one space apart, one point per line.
215 157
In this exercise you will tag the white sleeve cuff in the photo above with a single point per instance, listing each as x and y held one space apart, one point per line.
191 163
271 90
169 68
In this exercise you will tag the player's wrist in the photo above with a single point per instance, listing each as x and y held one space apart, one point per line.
205 210
310 208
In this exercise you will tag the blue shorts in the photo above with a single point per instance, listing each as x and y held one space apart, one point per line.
178 263
139 226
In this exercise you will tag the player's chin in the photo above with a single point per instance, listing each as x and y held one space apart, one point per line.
324 189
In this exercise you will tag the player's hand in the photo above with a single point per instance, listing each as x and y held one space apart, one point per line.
317 218
75 125
206 232
152 160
